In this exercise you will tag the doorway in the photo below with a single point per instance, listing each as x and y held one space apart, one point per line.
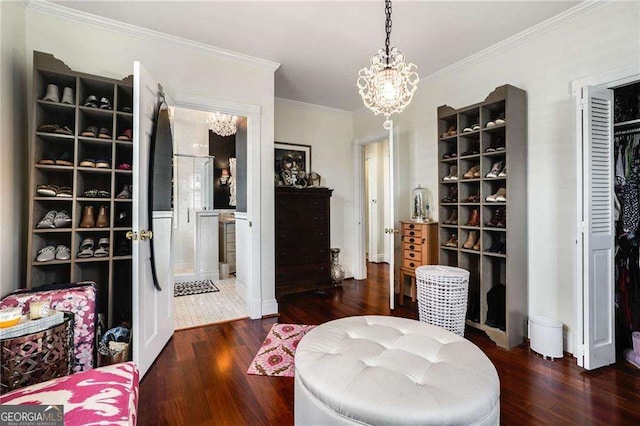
388 221
598 129
376 169
209 183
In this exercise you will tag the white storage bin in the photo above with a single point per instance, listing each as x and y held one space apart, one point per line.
546 336
442 296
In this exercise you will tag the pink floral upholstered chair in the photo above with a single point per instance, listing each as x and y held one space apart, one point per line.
101 396
79 299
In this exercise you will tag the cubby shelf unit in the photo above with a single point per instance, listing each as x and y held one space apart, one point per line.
502 256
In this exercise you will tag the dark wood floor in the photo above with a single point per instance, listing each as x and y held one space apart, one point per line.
200 377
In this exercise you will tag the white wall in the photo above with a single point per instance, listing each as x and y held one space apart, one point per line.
603 38
111 51
329 132
13 142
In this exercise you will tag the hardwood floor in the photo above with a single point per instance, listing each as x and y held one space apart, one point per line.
200 377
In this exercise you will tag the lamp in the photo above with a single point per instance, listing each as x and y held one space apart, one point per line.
388 85
222 124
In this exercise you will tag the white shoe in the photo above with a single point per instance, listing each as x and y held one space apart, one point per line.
63 253
48 221
53 93
46 254
62 219
67 96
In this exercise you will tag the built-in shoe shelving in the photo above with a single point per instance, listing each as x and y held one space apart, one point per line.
474 208
64 145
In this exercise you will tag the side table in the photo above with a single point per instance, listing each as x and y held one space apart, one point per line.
37 357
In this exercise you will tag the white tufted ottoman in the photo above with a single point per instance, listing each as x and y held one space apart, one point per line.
395 371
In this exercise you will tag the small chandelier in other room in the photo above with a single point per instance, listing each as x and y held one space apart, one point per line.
389 84
222 124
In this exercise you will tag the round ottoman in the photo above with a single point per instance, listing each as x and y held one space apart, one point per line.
387 370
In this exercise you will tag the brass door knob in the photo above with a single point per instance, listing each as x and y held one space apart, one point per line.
131 235
146 235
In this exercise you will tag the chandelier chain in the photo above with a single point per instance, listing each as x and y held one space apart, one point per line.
387 27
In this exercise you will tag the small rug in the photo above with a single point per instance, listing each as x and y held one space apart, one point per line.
276 355
194 287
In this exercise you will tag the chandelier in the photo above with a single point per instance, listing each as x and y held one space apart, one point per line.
389 84
222 124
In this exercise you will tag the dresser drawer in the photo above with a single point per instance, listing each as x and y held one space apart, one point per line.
416 241
296 219
411 264
408 232
413 246
296 255
412 255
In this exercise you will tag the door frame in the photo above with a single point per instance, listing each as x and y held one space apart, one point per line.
609 80
251 253
371 188
359 243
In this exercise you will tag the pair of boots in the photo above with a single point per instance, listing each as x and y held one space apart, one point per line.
452 197
499 245
473 241
474 218
88 220
453 219
498 219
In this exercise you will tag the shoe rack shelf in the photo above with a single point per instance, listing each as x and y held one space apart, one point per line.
495 231
112 273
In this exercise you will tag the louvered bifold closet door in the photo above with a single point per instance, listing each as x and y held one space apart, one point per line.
598 238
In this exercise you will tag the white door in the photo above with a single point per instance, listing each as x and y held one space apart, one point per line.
391 214
598 228
152 308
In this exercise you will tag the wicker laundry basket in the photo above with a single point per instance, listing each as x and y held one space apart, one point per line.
442 296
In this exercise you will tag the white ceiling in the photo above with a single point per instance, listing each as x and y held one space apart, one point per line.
322 45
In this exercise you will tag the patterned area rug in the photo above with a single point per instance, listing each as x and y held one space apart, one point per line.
276 355
194 287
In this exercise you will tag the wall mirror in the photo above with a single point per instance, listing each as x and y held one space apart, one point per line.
160 195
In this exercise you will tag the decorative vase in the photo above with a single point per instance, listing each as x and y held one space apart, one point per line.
336 270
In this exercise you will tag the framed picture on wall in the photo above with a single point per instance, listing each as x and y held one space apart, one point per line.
291 156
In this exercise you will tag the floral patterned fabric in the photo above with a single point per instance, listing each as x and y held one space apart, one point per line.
106 395
80 300
276 355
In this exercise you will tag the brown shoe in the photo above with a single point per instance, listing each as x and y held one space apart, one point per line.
471 240
103 219
472 172
453 219
495 218
453 241
87 218
474 218
476 246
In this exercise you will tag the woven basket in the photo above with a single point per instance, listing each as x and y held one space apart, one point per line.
442 296
37 357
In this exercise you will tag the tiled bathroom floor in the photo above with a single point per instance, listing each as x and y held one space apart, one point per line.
207 308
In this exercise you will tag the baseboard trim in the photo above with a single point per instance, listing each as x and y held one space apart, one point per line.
269 307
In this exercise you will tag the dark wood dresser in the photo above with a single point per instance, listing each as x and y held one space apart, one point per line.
302 239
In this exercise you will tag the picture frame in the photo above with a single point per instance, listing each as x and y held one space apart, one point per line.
298 150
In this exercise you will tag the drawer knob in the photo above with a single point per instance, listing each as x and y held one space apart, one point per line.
412 240
412 233
412 247
412 264
411 226
412 255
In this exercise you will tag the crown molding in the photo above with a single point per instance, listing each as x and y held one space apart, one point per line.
519 38
58 11
313 106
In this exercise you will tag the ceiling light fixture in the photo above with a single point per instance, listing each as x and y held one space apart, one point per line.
222 124
389 84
